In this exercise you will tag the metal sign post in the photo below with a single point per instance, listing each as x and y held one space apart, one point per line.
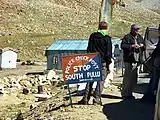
81 68
70 97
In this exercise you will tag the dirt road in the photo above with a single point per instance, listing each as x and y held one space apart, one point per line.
22 70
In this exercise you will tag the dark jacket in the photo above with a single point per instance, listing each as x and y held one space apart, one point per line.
156 55
128 52
102 44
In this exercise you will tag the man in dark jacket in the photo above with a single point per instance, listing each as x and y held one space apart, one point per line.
133 46
99 42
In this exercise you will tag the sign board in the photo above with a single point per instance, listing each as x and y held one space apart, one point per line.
80 68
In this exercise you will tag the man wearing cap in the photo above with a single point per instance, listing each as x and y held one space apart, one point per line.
133 46
99 41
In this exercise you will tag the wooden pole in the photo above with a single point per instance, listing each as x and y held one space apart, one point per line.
40 89
101 15
105 13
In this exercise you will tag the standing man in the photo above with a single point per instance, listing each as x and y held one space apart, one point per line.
133 46
99 42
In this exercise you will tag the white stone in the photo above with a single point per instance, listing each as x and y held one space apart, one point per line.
41 78
51 74
55 78
45 96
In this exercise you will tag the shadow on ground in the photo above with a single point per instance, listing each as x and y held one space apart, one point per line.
110 96
141 88
129 110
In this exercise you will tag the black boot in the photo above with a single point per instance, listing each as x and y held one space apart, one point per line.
86 97
97 102
96 99
83 101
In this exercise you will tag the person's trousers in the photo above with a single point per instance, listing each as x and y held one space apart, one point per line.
99 87
129 79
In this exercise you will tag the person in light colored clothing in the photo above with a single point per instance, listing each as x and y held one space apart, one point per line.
109 77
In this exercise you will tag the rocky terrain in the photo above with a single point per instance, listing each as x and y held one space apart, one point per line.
20 98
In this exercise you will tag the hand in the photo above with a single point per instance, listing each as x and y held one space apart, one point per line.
108 71
141 45
135 46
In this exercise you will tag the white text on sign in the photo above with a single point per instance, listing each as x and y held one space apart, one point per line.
80 67
81 75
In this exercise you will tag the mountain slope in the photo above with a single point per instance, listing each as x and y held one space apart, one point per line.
32 25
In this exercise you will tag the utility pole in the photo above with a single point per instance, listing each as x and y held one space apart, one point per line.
106 10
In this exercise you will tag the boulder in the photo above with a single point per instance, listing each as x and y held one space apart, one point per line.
51 74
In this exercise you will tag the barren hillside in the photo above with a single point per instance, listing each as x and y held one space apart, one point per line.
32 25
47 16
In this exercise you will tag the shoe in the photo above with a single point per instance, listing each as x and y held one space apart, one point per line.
83 102
97 102
128 97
